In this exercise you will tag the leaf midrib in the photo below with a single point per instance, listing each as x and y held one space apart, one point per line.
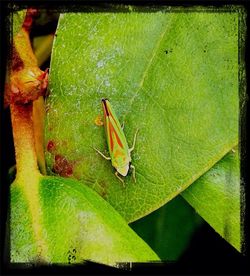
150 62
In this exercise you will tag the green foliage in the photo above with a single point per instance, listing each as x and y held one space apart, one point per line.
169 229
216 197
172 75
18 18
69 222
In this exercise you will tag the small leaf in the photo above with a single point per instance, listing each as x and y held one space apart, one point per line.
169 229
62 221
216 197
18 18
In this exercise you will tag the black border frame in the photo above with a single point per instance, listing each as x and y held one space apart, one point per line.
231 266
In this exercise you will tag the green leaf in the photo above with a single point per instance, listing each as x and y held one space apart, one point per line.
61 220
18 18
216 197
173 75
169 229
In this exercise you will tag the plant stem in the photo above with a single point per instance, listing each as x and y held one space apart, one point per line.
22 125
42 46
42 49
38 124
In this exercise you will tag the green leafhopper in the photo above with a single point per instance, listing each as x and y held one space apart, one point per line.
120 153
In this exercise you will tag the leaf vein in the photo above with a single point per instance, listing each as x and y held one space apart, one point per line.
141 83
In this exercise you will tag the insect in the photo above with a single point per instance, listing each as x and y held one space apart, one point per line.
120 153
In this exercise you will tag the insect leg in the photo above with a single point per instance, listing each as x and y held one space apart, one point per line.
133 146
106 157
133 173
117 175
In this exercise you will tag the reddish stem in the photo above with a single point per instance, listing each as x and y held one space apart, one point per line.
22 125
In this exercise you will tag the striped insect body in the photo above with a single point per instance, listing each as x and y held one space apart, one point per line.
120 153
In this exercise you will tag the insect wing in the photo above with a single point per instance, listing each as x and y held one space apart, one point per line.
117 143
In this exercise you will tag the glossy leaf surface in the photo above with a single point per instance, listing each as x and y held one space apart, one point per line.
64 222
216 197
173 75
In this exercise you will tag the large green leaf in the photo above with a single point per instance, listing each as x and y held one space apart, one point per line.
216 197
60 220
173 75
169 229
